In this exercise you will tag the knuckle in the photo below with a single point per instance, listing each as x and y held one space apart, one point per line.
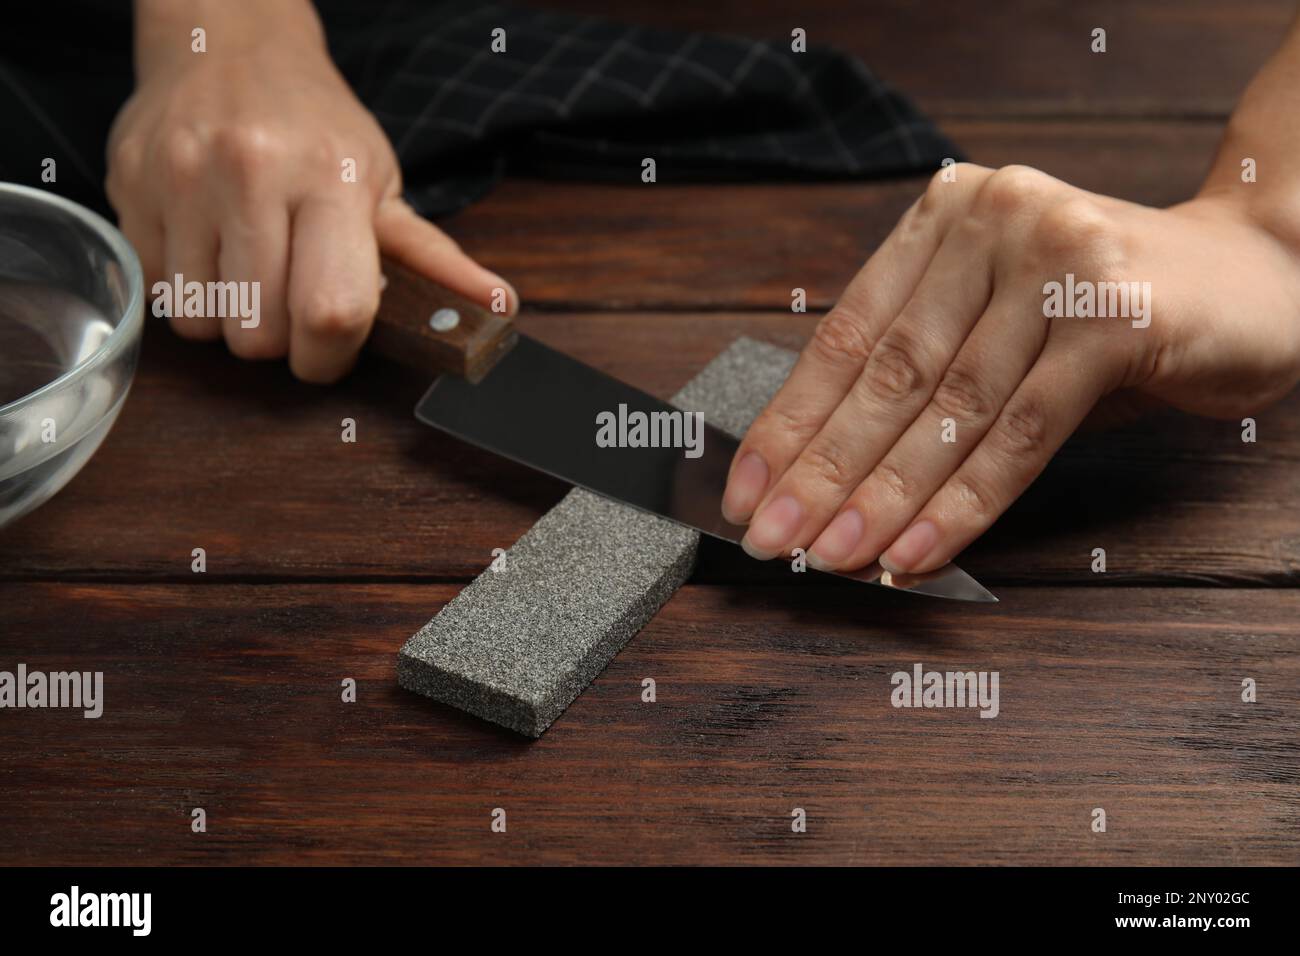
323 156
183 156
1011 189
1077 226
249 150
892 479
779 419
959 395
335 316
1022 428
322 152
840 339
125 158
829 462
975 231
894 371
972 497
947 182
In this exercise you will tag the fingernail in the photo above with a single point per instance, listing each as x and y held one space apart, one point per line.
772 528
512 297
906 553
745 488
837 542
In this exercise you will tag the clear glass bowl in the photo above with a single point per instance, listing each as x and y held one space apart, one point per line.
71 314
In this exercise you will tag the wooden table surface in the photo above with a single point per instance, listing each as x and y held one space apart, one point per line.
1120 691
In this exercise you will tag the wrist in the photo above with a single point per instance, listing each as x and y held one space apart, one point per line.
164 30
1249 181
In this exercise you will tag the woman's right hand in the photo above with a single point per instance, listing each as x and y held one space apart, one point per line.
252 161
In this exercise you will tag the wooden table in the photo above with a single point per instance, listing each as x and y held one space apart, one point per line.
1120 691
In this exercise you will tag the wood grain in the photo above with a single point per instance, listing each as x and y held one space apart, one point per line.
580 246
241 460
223 689
228 698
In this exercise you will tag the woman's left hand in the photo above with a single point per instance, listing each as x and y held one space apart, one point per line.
952 369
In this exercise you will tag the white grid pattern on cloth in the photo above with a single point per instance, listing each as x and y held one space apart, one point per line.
755 50
575 97
568 93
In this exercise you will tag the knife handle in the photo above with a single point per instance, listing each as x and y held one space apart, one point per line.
427 326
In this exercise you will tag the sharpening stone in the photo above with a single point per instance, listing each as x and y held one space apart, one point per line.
518 645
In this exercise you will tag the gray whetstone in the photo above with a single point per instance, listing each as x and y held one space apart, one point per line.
517 646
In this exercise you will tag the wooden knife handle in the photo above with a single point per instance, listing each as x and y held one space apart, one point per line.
427 326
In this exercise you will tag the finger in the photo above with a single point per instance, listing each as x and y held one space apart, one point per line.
1054 398
838 349
255 249
145 235
190 239
137 215
422 246
190 252
986 371
897 381
333 287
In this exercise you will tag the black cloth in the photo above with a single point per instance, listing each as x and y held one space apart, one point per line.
571 97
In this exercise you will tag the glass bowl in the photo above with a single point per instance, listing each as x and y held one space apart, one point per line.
71 315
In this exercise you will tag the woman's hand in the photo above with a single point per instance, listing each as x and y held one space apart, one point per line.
231 164
947 375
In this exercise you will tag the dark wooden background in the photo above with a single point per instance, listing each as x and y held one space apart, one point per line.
1119 691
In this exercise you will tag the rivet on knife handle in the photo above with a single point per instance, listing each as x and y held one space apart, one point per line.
426 325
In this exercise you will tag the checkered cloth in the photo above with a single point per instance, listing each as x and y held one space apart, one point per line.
581 98
570 97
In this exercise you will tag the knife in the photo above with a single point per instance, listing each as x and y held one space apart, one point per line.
514 396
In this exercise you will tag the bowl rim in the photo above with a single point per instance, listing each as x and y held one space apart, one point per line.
129 323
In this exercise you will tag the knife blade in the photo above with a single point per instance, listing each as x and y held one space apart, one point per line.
522 400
